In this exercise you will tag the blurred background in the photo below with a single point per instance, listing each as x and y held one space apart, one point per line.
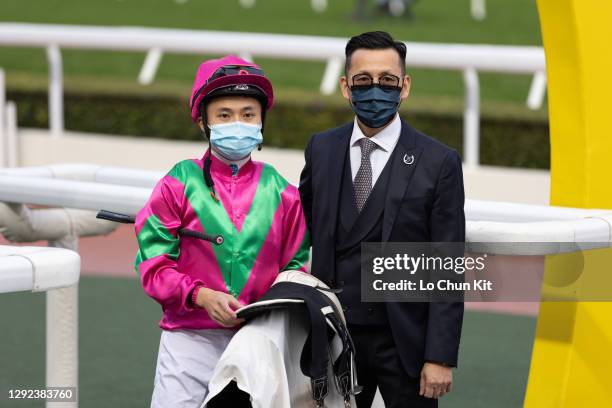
112 118
98 83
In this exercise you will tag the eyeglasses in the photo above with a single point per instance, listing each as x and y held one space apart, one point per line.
386 81
234 70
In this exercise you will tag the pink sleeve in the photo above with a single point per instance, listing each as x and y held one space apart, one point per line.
157 225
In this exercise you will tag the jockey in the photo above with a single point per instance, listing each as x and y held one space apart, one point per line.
258 214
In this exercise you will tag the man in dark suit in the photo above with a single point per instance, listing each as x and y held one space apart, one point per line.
380 180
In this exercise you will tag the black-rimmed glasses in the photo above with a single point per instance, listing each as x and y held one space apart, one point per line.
385 80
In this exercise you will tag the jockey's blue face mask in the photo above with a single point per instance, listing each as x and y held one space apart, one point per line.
235 140
375 105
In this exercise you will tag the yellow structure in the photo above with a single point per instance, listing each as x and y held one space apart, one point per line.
571 365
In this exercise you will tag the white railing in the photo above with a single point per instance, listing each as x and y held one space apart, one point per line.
318 6
93 187
8 127
54 271
478 8
469 59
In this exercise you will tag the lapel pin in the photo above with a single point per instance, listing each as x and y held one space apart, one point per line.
408 159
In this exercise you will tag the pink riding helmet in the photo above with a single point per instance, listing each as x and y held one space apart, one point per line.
226 72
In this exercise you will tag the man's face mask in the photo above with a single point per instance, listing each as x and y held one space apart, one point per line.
375 105
235 140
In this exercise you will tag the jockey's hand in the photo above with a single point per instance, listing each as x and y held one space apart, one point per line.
220 306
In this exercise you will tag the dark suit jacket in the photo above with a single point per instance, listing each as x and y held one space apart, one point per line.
424 204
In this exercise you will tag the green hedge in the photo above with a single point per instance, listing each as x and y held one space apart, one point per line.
504 142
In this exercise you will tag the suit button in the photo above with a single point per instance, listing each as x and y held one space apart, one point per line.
344 308
370 310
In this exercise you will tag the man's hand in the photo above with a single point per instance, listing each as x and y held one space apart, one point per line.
220 306
436 380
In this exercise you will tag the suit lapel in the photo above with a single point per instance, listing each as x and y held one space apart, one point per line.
336 157
405 160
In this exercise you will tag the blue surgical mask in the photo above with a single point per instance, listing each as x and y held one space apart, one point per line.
375 106
235 140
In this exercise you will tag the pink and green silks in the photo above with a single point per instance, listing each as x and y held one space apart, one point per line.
259 216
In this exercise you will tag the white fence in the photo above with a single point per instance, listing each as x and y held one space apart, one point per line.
318 6
92 187
478 8
8 128
468 59
56 272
